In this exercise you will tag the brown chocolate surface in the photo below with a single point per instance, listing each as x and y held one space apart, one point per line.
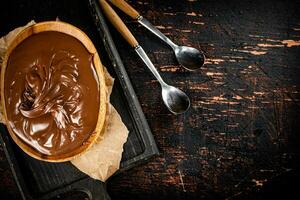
51 93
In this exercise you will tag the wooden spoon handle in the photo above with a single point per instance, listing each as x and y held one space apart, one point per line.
126 8
118 23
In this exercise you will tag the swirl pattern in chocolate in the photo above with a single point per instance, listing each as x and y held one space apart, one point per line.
51 93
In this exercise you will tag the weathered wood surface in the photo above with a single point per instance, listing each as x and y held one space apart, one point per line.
241 131
240 138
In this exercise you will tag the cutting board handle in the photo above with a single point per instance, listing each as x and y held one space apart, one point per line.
97 191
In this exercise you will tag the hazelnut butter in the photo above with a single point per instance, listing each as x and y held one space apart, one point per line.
51 93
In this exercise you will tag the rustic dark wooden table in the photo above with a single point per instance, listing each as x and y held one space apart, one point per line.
240 138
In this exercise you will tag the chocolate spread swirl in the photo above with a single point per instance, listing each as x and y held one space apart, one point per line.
51 93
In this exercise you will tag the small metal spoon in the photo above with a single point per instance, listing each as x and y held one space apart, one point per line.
189 57
175 100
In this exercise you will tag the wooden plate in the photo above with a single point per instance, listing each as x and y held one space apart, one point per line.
83 38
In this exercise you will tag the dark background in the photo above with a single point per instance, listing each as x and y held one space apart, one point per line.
240 139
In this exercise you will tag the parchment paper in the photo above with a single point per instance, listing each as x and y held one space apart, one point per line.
103 159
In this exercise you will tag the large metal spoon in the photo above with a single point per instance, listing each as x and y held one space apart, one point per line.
189 57
175 100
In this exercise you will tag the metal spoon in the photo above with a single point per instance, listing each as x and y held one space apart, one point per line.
175 100
189 57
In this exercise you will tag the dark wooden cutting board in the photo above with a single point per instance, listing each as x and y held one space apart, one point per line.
42 180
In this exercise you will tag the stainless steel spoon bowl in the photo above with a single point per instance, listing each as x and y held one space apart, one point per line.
175 100
189 57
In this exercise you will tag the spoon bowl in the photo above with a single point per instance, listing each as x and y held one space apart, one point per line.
189 57
175 99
